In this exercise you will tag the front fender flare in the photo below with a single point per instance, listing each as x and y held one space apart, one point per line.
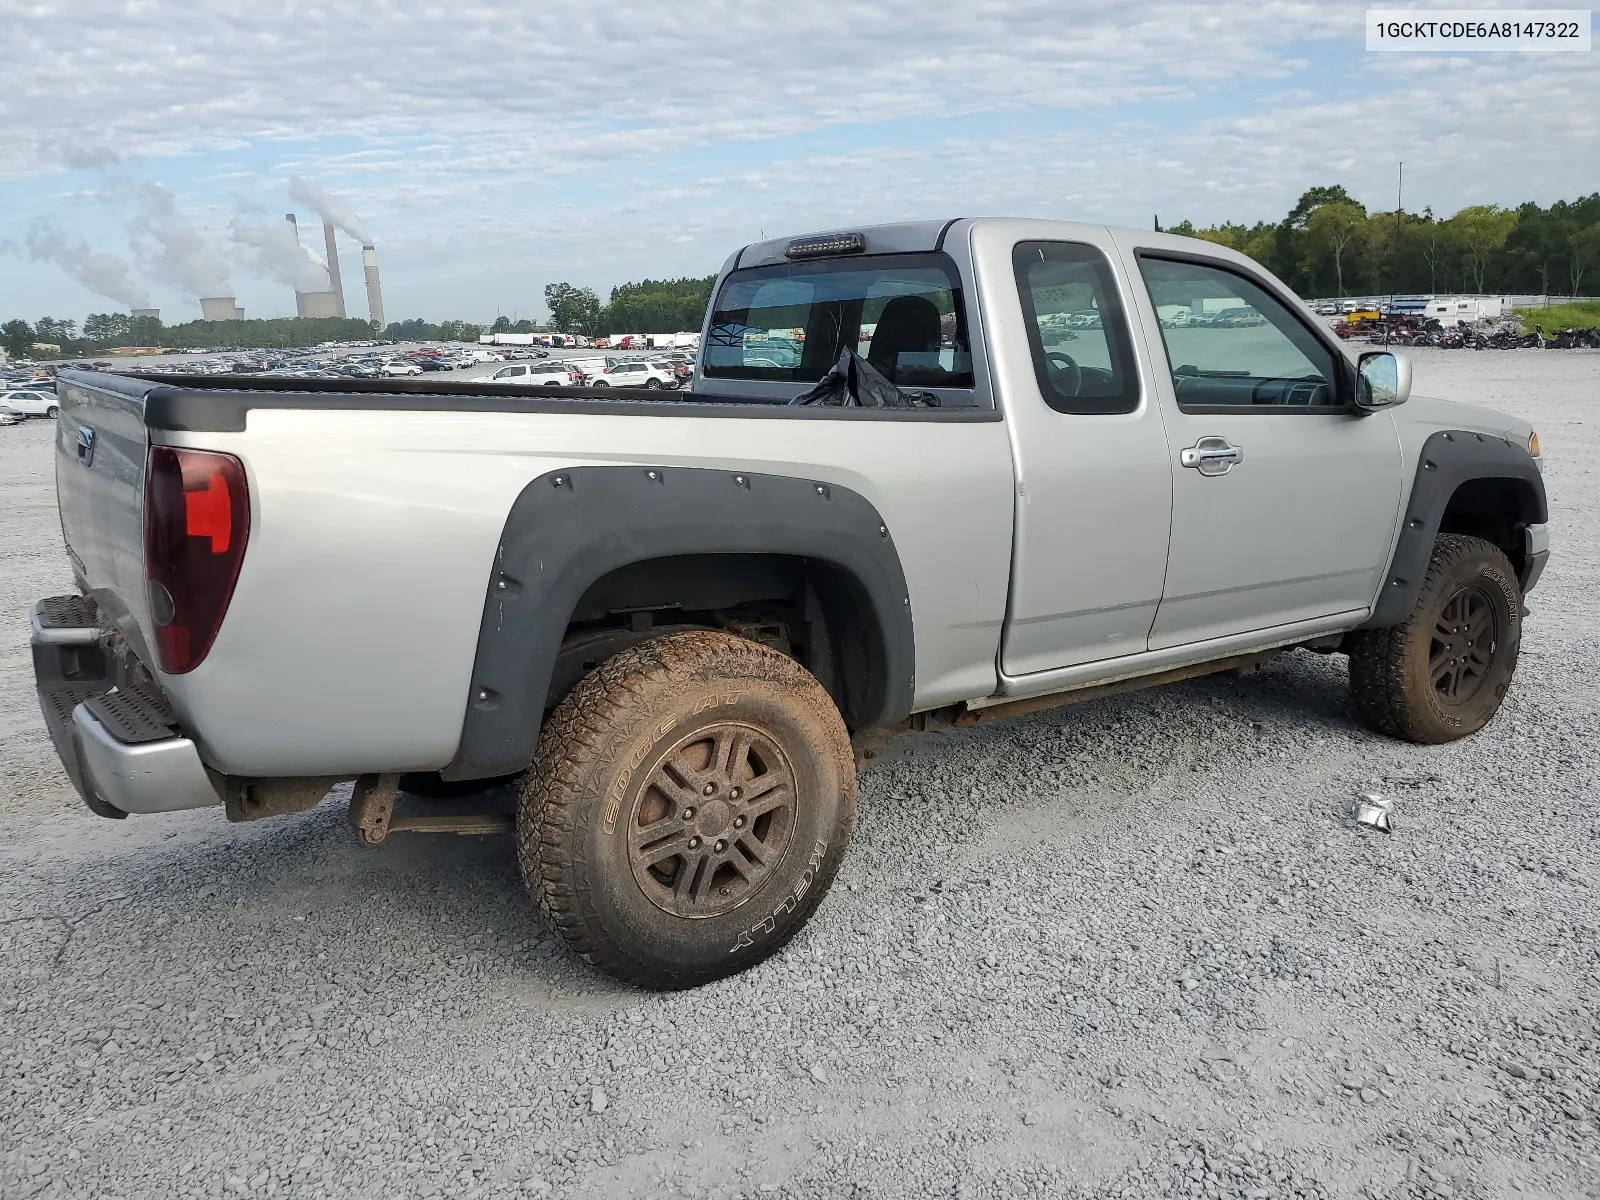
1449 458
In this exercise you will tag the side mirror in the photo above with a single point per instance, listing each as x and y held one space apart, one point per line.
1382 380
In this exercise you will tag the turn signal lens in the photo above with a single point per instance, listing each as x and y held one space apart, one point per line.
196 522
1533 444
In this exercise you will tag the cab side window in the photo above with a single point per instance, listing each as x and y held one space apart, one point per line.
1082 355
1232 344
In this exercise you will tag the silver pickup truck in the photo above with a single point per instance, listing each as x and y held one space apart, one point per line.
1088 460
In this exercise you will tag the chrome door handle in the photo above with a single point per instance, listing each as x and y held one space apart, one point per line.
1212 456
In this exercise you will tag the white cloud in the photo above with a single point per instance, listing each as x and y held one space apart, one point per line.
493 148
149 79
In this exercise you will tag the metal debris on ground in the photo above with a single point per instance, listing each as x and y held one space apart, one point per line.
1372 809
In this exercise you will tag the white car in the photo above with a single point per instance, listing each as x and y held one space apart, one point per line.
393 369
636 374
537 375
27 403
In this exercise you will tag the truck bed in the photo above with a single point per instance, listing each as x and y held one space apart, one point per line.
379 509
219 403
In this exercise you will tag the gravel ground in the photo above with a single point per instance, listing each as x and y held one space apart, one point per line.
1125 949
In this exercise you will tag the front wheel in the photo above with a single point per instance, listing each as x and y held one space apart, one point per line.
1442 673
687 809
52 412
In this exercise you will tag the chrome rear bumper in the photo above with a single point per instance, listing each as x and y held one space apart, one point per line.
115 736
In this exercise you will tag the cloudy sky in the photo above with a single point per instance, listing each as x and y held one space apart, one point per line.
493 149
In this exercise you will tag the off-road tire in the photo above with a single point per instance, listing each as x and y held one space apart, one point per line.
1391 685
610 762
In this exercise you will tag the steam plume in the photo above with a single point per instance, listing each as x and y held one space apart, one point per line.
104 274
170 250
281 254
303 191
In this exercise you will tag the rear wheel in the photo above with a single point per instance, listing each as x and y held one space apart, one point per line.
687 809
1443 672
654 384
52 412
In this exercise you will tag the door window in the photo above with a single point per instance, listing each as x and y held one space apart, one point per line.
1232 344
1076 328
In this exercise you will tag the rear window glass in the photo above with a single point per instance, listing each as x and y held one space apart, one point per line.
903 313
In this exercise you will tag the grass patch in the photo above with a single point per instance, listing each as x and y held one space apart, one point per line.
1562 316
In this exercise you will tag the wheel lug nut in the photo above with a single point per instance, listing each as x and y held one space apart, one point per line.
738 822
734 794
720 847
709 789
688 814
694 843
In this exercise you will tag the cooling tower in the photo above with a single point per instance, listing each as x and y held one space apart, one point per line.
369 263
220 308
153 313
335 283
316 304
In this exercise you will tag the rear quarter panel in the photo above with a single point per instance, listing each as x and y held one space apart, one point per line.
350 640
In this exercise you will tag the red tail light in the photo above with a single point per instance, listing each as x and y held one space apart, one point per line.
196 522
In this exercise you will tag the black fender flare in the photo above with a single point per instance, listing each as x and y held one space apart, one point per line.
1449 459
569 528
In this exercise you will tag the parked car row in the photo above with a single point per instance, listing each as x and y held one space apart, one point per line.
655 374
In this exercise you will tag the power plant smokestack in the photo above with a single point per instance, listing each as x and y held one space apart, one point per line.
317 303
335 283
220 308
369 263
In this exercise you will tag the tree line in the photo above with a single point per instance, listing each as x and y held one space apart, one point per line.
650 306
1329 244
104 331
418 330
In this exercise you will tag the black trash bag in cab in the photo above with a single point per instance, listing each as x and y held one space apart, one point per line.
853 382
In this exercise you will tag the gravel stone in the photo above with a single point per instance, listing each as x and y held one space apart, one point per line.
1133 948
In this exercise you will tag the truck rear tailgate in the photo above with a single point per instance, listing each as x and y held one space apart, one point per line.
101 446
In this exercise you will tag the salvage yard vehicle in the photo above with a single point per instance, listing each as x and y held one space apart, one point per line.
30 402
678 626
549 374
637 373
